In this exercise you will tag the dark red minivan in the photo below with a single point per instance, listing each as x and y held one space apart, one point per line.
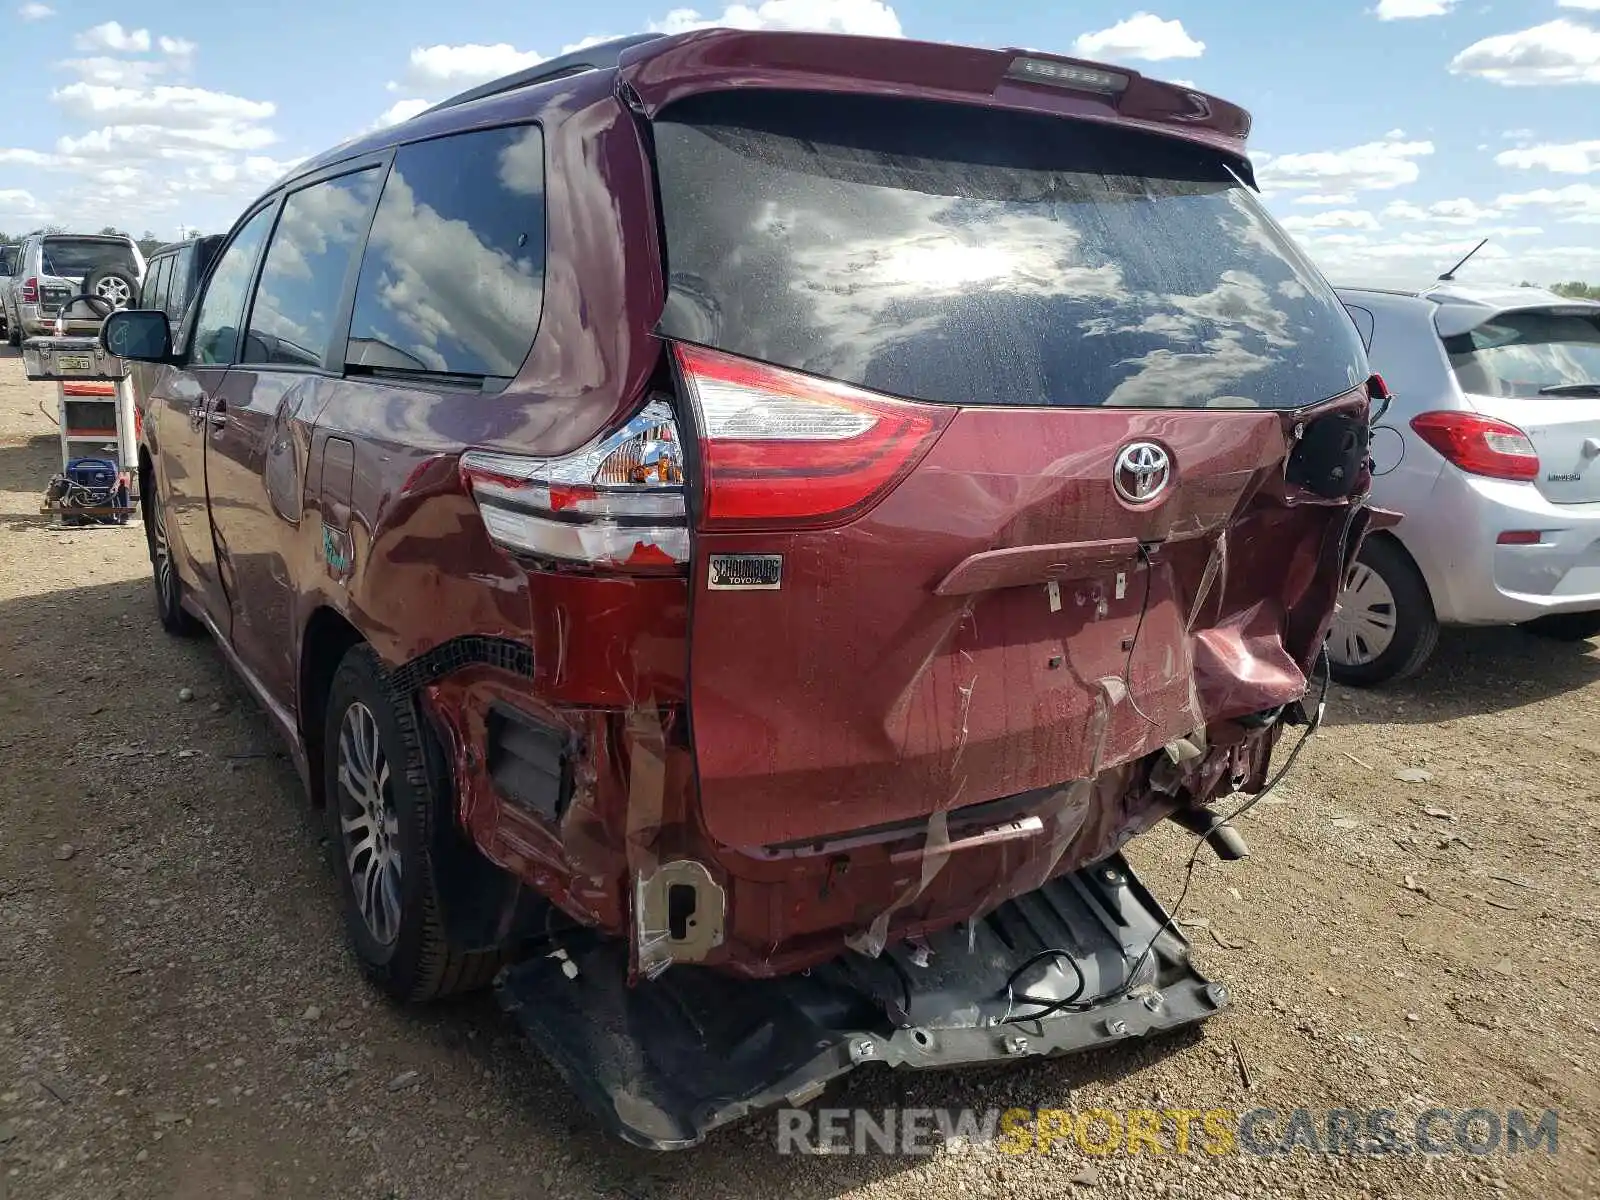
784 508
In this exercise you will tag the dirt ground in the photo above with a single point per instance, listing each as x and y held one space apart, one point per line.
179 1017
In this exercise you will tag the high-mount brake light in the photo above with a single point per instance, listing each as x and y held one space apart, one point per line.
1068 75
781 448
1480 445
618 502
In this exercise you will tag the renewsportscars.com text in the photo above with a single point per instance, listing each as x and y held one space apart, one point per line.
1215 1131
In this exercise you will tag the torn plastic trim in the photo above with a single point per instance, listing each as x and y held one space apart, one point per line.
457 654
666 1062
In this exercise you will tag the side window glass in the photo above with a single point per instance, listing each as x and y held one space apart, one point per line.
163 282
151 287
183 276
452 281
216 335
302 281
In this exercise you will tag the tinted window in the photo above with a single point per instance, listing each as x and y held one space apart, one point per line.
972 256
8 259
184 276
75 258
149 292
1526 353
453 277
222 306
302 279
169 271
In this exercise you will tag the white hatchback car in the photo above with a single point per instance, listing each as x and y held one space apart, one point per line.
1491 450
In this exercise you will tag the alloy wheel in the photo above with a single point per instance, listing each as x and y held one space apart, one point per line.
1364 622
114 290
161 555
368 824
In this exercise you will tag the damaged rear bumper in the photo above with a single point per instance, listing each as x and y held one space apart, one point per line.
664 1063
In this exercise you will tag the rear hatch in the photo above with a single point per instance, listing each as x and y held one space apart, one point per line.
68 261
1539 369
986 406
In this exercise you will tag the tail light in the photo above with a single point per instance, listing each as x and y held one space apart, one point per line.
30 291
618 502
778 446
1479 445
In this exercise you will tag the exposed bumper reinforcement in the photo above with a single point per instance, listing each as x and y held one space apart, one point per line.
664 1063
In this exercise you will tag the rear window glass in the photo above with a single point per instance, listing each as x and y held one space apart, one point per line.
452 281
77 257
969 256
1528 354
8 259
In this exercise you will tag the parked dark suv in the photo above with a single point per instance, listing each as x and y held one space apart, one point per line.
173 273
784 508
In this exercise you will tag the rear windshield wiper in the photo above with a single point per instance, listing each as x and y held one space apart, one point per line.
1571 389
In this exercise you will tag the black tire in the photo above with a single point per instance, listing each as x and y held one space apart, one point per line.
1565 627
174 618
1416 627
416 960
92 285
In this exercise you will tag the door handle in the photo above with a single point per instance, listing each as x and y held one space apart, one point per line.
219 414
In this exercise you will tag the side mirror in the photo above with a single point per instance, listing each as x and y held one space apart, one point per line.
142 335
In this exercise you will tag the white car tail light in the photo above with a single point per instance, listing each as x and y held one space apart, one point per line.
618 502
780 447
1479 445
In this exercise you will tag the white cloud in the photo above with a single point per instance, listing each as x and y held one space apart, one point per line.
161 141
464 66
872 18
176 47
1445 212
1518 135
1400 10
35 12
402 110
15 202
1372 166
1591 5
1557 52
1339 218
1577 202
170 107
115 72
114 38
1314 198
1142 36
1568 158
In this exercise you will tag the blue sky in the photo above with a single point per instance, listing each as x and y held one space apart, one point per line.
1390 134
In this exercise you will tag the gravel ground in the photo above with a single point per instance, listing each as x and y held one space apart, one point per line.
178 1015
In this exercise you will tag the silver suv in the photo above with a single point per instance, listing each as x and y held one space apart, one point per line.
9 253
53 268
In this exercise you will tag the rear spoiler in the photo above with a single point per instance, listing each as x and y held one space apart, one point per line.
660 71
1453 318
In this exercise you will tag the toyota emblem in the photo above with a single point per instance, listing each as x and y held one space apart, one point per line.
1142 472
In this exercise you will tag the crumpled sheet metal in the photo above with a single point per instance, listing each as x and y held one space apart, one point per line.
632 819
1234 657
